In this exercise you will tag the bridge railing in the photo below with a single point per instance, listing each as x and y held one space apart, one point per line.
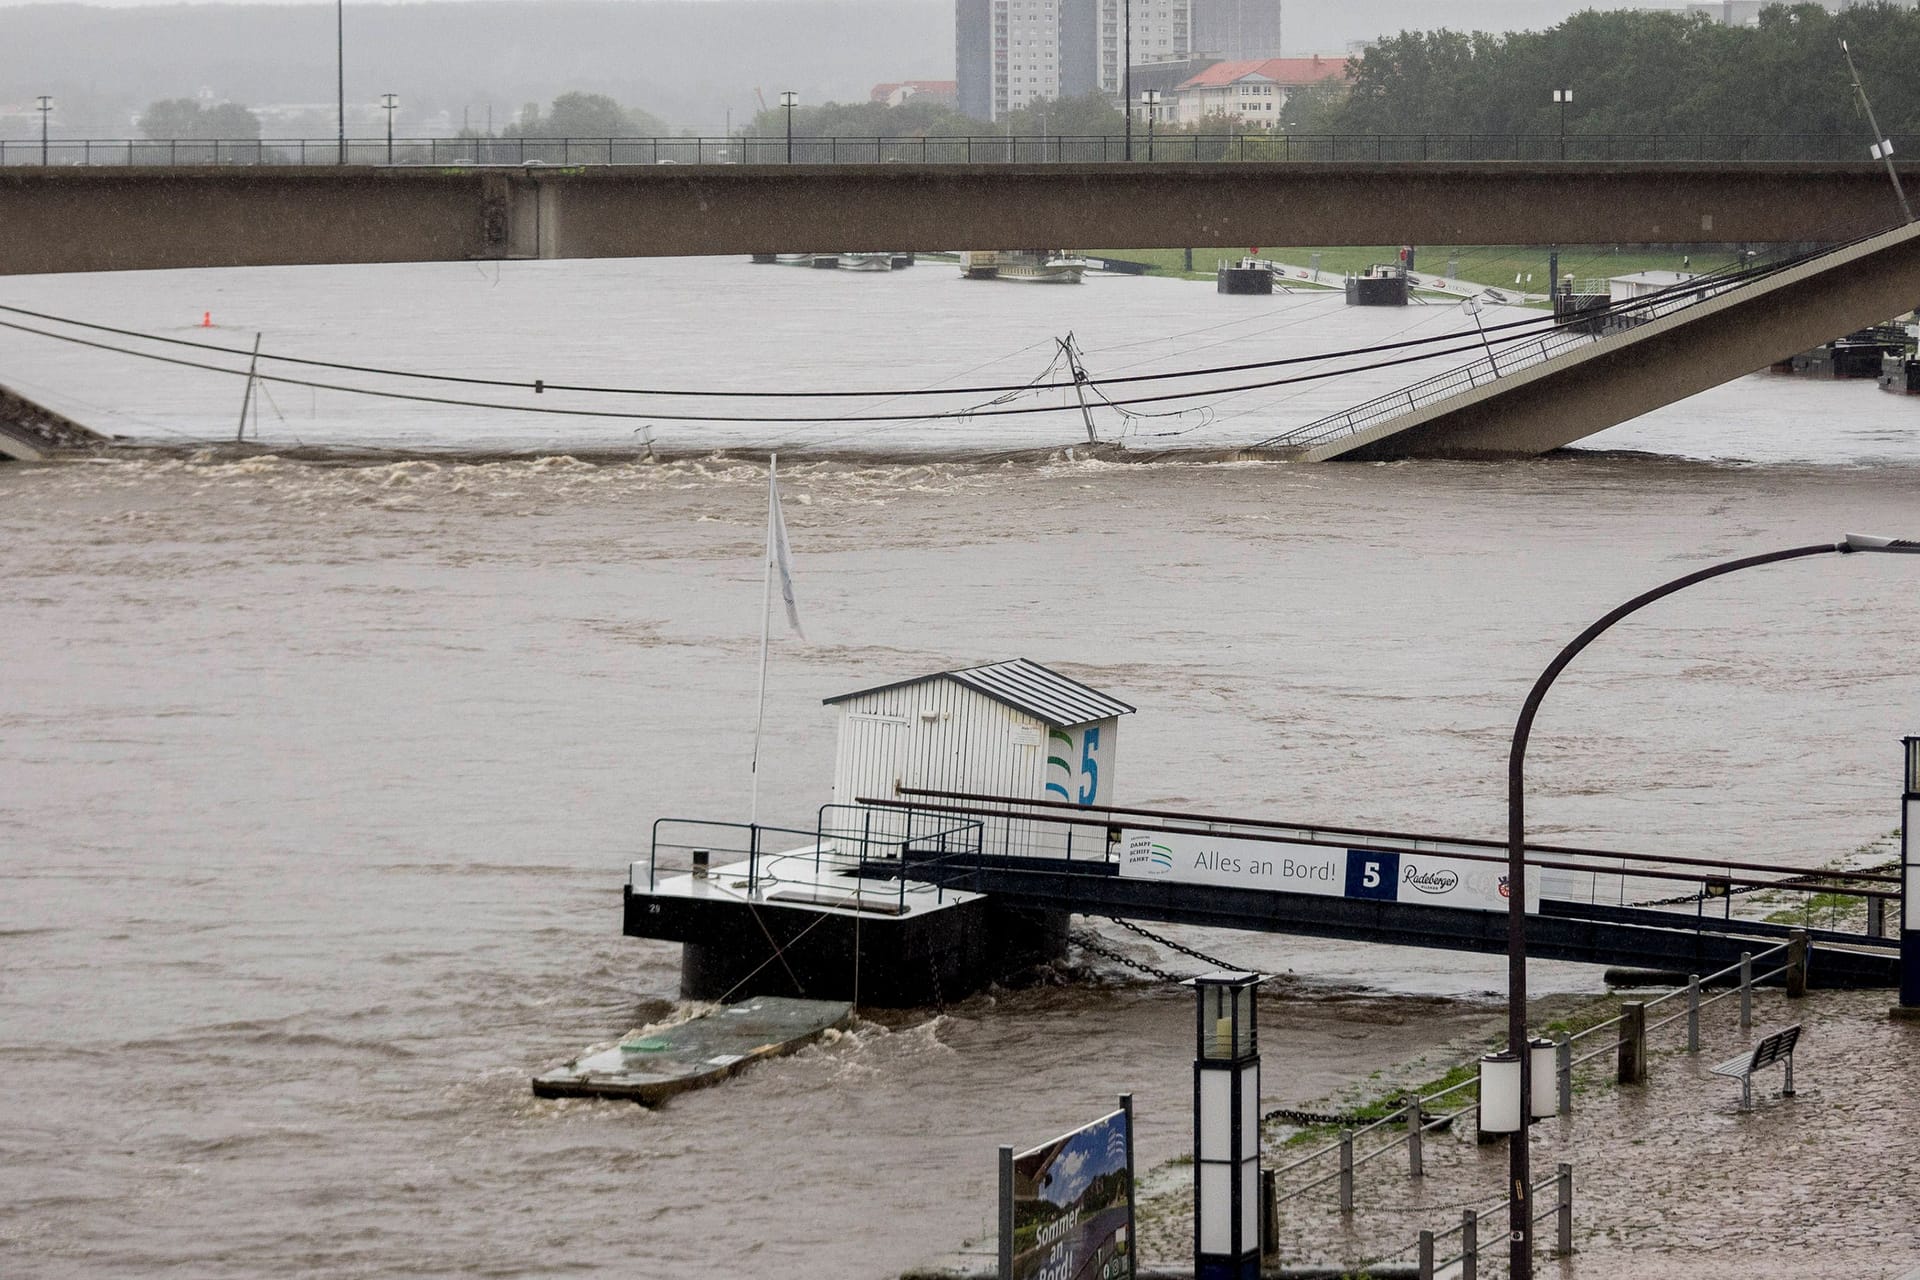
1248 147
1507 357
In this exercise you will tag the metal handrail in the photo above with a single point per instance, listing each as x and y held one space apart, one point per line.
1235 146
1528 353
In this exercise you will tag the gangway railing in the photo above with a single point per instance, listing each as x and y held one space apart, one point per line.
1511 357
1016 828
881 857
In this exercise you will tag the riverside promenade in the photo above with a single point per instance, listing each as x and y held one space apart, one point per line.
1670 1180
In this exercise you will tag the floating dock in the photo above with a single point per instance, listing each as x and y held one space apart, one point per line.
652 1067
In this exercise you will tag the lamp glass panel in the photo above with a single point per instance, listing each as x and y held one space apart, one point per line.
1545 1085
1214 1141
1249 1205
1913 766
1243 1011
1249 1108
1500 1093
1216 1208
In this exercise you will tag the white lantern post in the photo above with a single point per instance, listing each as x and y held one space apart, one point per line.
1226 1128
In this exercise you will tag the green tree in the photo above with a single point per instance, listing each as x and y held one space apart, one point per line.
585 115
172 118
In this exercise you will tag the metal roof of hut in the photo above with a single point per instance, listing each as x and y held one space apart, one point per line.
1025 686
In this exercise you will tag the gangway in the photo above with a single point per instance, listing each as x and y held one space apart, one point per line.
1590 906
1536 395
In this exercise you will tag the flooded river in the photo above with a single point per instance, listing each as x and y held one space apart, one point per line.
320 782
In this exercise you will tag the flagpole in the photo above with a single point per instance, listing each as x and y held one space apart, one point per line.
766 622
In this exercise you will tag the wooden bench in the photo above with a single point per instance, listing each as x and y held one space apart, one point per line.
1774 1048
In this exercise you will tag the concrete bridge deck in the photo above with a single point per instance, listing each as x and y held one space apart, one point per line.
1740 328
131 218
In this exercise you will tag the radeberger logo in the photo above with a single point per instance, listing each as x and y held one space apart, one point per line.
1430 881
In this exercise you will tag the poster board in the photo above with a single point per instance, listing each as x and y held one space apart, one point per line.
1066 1206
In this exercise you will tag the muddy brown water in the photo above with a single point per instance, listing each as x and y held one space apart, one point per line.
320 783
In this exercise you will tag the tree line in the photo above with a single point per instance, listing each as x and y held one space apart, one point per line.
1640 72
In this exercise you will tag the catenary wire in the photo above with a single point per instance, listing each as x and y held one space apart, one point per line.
539 386
957 415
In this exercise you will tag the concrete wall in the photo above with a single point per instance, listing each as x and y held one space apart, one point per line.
80 219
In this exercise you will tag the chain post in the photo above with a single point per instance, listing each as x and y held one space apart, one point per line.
1346 1171
1693 1013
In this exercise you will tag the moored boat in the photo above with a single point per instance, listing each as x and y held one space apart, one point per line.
1039 266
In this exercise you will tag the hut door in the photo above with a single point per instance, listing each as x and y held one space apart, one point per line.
876 756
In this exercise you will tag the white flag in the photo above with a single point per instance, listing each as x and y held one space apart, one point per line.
778 551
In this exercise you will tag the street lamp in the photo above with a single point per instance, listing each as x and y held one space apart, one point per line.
1520 1180
1126 68
788 100
340 66
1882 148
388 102
1563 97
1150 99
44 105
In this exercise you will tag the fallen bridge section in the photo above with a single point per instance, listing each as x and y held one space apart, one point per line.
1591 386
31 432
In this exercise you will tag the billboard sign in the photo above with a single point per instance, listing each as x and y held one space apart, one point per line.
1067 1206
1387 875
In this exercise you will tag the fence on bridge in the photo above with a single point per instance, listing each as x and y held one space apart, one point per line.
1231 147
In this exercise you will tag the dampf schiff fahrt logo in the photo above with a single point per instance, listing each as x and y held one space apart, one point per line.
1144 857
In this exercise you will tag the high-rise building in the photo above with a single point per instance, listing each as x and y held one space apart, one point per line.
1161 33
1236 30
973 56
1010 54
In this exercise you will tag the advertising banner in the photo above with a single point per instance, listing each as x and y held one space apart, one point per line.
1293 867
1071 1214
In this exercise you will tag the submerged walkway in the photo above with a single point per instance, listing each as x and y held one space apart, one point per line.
1667 1175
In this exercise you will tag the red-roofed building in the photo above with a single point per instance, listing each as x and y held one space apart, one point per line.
944 92
1255 92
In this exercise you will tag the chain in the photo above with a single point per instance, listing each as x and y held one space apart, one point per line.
1171 945
1090 942
1291 1116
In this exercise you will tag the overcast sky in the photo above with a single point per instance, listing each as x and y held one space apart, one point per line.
1488 15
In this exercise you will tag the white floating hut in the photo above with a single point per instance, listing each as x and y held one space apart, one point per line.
1008 729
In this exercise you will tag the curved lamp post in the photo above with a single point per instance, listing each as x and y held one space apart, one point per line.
1520 1206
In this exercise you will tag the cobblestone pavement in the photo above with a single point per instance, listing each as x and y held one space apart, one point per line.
1670 1180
